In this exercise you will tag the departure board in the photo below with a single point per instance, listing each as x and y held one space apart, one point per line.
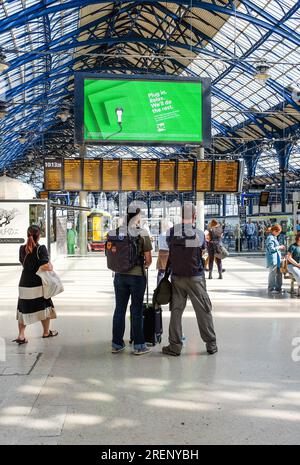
110 175
91 175
148 175
94 175
53 175
204 176
167 175
226 176
185 176
130 175
73 175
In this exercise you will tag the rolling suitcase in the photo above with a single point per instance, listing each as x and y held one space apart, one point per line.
152 321
152 316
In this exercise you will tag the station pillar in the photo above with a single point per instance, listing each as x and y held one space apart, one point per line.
82 214
250 206
200 197
224 205
83 224
283 191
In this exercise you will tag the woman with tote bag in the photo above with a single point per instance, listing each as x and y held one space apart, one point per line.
32 306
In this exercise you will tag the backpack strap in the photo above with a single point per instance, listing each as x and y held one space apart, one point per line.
139 239
168 268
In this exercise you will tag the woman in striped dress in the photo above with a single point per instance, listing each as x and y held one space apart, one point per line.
32 306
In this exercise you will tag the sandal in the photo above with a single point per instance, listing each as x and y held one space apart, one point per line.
51 334
20 341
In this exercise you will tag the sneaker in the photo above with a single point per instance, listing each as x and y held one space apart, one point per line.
212 350
143 351
168 351
117 351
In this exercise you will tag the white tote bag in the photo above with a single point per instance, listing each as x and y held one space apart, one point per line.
52 284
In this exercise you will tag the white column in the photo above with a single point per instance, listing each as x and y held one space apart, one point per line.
200 197
83 214
83 224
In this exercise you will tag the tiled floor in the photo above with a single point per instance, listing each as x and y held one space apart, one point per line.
73 390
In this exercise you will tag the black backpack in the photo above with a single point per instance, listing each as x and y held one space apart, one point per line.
186 260
122 251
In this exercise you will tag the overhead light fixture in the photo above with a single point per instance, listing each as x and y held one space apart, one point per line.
296 94
119 112
262 72
22 138
220 65
30 156
3 109
3 64
64 114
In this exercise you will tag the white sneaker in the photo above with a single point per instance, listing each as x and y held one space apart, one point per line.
117 351
143 351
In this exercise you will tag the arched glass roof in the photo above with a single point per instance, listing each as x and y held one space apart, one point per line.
46 41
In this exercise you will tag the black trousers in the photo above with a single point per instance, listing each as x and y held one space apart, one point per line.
211 258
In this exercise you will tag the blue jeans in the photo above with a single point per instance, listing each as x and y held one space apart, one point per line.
129 286
250 242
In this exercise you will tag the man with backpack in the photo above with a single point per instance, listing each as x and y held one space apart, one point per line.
128 252
186 244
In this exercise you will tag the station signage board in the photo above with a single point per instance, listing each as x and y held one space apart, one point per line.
110 175
167 175
130 175
204 176
92 175
148 175
73 174
226 176
53 177
185 176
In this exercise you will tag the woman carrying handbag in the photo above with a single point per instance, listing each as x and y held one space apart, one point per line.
215 233
32 306
273 259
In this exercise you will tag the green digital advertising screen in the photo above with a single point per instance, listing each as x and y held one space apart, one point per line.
140 111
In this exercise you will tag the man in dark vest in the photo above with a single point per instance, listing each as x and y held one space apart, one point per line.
186 244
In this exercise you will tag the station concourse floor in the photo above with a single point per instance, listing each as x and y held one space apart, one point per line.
72 390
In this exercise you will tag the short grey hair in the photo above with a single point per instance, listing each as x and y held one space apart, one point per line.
188 210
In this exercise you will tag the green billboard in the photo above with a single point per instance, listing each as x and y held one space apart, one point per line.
140 111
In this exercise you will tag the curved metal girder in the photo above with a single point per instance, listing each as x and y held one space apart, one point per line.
129 6
34 12
109 41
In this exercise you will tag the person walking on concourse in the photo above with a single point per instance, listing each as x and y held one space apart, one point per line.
186 244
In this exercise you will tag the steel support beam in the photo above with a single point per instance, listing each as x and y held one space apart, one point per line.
283 151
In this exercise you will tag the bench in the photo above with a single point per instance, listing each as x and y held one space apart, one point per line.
293 281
